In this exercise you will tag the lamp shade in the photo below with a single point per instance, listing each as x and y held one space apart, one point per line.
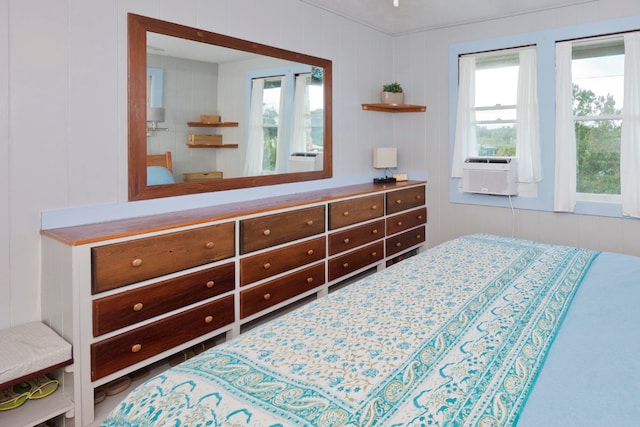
385 158
155 114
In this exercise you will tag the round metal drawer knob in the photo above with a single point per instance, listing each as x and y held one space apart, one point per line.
418 236
310 222
374 253
399 223
267 265
208 319
310 252
136 348
346 240
345 265
418 197
266 232
345 213
398 244
374 207
210 284
398 201
266 297
375 231
419 216
136 262
309 279
137 307
209 245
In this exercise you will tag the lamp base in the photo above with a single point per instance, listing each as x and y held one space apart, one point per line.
385 180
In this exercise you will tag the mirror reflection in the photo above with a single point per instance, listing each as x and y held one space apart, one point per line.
222 113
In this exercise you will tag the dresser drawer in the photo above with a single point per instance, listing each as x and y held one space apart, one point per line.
345 240
113 354
352 211
117 311
401 242
258 267
271 230
120 264
355 260
405 221
276 291
408 198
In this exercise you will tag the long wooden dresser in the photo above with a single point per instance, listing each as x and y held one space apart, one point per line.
130 293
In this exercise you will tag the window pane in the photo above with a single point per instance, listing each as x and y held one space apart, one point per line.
496 140
598 157
600 85
497 86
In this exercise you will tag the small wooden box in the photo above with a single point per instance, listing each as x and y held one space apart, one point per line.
209 118
202 139
202 176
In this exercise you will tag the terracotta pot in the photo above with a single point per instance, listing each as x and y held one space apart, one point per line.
391 98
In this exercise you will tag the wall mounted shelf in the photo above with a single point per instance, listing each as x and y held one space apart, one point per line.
212 125
212 146
395 108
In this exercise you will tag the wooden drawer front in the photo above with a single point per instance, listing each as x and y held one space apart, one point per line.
271 293
408 198
352 211
405 221
121 264
405 240
117 311
257 267
271 230
341 241
355 260
113 354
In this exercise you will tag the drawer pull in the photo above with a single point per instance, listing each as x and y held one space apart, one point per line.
398 244
419 197
210 284
374 207
136 262
418 236
310 252
374 231
209 245
267 265
310 222
208 319
345 213
266 297
399 223
398 201
346 240
136 348
137 307
420 217
374 253
345 265
266 232
309 279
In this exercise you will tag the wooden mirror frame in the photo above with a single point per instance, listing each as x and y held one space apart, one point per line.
137 126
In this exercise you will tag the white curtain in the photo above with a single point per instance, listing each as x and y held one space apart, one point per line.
300 109
255 146
466 143
527 131
281 149
565 167
630 139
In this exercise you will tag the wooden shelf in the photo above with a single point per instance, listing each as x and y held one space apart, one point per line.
395 108
213 146
212 125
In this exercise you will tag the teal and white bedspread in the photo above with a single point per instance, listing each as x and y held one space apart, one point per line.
454 336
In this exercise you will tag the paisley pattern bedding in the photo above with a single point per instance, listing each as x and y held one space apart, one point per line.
451 337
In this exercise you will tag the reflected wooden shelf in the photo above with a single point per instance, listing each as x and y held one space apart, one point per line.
395 108
212 146
212 124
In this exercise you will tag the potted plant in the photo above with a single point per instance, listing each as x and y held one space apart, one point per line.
392 94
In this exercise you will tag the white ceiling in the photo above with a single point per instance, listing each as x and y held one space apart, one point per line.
415 15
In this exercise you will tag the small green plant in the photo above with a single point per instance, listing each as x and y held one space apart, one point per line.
392 87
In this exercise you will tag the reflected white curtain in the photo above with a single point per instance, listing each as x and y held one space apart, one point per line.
565 167
300 115
527 130
281 149
466 143
255 146
630 138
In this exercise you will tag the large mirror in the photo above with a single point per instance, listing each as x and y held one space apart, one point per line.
209 112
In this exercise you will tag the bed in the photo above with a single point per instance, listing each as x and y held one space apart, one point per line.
482 330
160 169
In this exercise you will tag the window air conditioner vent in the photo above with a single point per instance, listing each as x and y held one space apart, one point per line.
490 175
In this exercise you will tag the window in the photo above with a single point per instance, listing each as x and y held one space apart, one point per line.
271 113
598 93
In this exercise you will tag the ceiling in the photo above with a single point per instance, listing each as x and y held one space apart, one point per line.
416 15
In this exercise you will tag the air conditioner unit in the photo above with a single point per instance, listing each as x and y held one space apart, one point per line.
490 175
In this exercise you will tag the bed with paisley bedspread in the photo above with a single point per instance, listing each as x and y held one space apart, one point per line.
479 331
